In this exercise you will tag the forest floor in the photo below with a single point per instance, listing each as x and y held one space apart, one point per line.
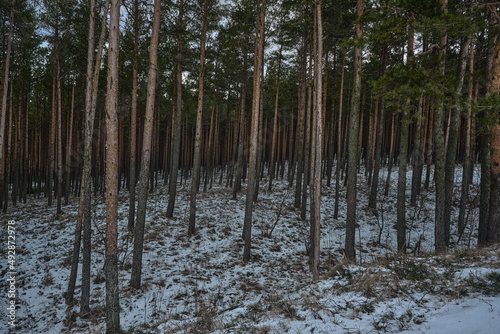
201 285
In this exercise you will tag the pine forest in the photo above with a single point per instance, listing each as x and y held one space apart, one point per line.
250 166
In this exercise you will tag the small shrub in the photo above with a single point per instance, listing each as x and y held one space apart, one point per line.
413 271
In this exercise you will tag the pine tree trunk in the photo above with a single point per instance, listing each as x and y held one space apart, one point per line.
299 161
69 143
176 144
307 141
467 165
111 262
493 231
275 127
133 121
59 139
83 216
52 143
142 191
451 151
416 181
195 180
317 140
241 133
339 142
441 241
5 86
352 175
253 168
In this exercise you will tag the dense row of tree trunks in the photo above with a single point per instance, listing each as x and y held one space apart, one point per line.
421 127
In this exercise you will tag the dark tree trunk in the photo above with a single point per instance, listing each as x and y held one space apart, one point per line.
352 175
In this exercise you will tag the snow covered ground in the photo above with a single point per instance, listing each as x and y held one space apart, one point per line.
200 284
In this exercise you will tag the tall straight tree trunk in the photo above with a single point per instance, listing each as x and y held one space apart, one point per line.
307 140
390 162
441 241
59 138
241 133
331 130
135 279
416 182
352 174
52 141
467 165
299 153
493 230
133 120
275 127
317 151
8 152
5 86
195 180
209 176
176 145
111 262
84 210
380 126
403 162
429 143
403 153
69 143
451 151
254 132
339 142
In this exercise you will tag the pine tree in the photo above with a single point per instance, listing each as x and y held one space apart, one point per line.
111 262
135 280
